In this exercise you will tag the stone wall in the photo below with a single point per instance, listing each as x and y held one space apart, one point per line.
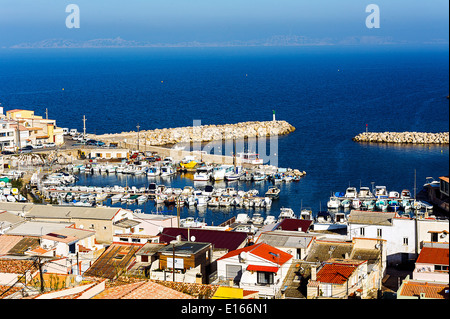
202 133
403 137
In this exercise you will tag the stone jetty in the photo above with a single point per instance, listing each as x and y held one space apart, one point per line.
403 137
201 133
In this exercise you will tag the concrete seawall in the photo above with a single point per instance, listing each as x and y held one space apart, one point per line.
201 133
403 137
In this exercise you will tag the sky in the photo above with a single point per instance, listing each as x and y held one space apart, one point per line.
174 21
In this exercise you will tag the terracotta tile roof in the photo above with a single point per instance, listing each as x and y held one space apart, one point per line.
7 242
264 251
432 255
142 290
335 273
431 290
193 289
16 266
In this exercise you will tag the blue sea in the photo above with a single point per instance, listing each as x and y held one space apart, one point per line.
328 94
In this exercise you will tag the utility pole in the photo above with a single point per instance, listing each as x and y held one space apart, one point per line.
84 127
41 274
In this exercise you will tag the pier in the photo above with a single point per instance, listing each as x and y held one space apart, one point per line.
403 137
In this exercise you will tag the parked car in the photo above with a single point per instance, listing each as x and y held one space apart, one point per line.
26 149
49 145
7 152
38 146
94 142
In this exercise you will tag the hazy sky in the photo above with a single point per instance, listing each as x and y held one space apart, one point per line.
171 21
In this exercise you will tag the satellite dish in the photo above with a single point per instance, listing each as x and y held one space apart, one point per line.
243 255
377 246
193 238
78 278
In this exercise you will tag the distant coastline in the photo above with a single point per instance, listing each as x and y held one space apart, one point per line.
278 40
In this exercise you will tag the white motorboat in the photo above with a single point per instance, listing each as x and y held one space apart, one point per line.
351 192
203 173
356 203
167 170
142 199
219 172
406 194
306 214
242 218
394 195
190 222
258 176
116 197
269 220
333 203
225 200
257 219
235 174
214 201
346 203
273 192
324 221
153 171
381 192
285 213
364 192
382 204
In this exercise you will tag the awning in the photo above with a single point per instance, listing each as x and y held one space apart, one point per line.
262 268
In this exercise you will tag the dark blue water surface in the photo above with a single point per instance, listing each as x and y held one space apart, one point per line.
327 94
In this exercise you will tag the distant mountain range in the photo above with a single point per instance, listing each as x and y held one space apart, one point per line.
279 40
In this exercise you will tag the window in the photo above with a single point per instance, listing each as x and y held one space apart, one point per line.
434 237
379 232
265 278
405 241
362 231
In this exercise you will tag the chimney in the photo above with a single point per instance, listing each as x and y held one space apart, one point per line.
313 273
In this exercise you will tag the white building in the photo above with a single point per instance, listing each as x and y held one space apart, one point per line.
398 232
7 136
258 267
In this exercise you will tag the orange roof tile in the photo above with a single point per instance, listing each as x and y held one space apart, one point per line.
431 290
432 255
264 251
335 273
142 290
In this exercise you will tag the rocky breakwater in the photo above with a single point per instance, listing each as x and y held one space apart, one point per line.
403 137
201 133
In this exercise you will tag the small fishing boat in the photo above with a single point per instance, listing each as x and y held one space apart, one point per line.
273 192
142 199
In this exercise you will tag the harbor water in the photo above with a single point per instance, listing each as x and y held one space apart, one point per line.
327 94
